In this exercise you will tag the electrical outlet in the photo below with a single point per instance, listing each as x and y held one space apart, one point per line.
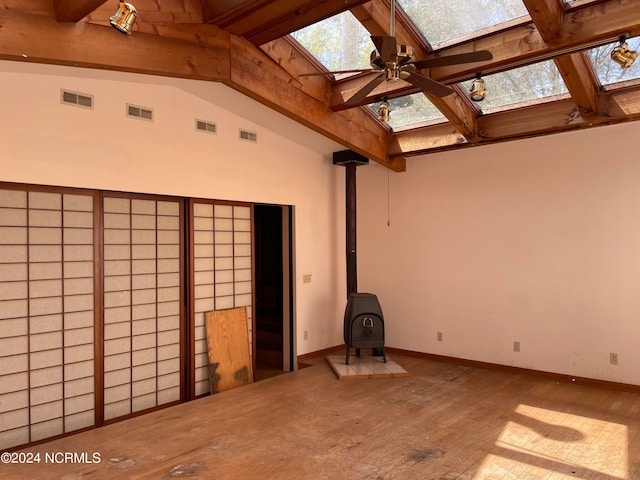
613 358
439 336
516 346
306 335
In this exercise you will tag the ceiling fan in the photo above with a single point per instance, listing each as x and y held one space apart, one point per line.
391 61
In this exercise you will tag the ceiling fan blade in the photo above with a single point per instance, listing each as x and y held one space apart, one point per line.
357 70
479 56
386 47
428 85
361 94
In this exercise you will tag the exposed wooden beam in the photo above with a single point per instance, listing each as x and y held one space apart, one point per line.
459 111
374 16
425 140
74 10
576 69
223 12
261 21
42 39
256 75
614 107
581 81
295 60
547 15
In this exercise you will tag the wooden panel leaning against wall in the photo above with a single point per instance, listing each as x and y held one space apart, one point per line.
221 274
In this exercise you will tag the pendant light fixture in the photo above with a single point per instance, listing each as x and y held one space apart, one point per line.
622 55
477 92
384 111
124 18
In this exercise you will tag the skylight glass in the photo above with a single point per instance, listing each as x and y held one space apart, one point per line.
441 20
520 85
410 110
610 72
339 42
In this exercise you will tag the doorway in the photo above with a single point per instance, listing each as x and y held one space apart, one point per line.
273 300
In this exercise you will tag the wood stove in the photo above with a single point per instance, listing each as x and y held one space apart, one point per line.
364 325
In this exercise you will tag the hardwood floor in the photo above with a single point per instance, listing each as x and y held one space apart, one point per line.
443 422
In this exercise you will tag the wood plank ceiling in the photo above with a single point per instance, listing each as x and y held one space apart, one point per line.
244 44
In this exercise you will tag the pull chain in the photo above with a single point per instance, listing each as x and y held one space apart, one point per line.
388 198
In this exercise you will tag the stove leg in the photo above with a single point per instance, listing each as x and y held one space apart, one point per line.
348 353
384 356
358 352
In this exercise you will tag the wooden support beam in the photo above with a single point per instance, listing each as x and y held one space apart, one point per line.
615 106
547 15
42 39
425 140
262 21
75 10
256 75
374 16
581 81
460 112
295 60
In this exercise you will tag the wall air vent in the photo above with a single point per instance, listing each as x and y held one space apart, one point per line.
76 99
206 127
139 112
248 136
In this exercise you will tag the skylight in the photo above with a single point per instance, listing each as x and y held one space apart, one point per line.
442 20
338 43
342 43
520 85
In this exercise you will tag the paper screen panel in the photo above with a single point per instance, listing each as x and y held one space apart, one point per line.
222 271
142 283
47 373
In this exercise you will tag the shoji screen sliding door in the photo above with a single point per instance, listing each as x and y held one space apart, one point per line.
94 299
143 320
222 271
47 364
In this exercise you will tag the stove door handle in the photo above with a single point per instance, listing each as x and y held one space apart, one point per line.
367 322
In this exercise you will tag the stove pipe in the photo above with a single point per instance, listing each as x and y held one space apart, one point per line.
350 160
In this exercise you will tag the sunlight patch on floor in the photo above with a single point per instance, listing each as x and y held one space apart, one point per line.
540 443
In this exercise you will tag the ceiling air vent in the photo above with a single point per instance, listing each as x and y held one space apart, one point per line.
139 112
206 127
248 136
76 99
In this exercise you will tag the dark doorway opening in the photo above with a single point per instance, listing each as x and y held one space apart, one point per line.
273 322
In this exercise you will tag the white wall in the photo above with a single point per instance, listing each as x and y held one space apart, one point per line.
536 241
45 142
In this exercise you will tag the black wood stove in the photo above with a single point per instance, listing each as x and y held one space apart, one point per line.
364 325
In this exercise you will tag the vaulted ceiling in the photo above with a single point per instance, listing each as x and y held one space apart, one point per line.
245 45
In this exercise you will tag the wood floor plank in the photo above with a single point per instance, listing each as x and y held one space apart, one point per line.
443 422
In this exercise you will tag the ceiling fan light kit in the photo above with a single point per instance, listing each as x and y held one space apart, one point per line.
124 18
391 61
